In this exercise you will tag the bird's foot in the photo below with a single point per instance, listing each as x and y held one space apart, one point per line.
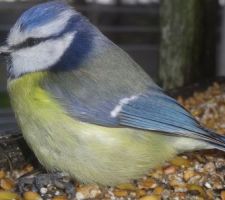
41 182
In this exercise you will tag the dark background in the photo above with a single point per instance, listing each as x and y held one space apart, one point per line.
133 26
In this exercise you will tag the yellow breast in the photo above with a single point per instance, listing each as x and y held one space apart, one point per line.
88 152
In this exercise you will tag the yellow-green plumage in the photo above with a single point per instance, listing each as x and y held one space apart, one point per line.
76 147
87 152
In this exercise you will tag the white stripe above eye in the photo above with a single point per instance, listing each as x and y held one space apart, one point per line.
55 26
41 56
114 113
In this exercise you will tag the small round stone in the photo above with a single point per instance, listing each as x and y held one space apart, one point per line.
43 190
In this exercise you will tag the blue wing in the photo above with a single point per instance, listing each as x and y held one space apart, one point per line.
151 110
156 111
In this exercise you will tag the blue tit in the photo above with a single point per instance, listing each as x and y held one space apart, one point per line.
85 107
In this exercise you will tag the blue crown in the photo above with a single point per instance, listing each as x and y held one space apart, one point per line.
41 14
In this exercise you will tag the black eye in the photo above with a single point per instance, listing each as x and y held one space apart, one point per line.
32 41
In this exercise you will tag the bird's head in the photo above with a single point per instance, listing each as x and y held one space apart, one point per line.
49 36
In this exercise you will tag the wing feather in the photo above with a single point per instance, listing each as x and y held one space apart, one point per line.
157 111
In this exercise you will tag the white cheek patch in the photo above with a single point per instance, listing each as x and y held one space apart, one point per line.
114 113
41 56
56 26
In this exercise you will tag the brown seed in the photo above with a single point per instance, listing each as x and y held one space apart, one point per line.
158 190
210 194
210 167
222 195
2 174
200 158
28 168
31 196
127 186
9 196
179 161
180 188
174 183
196 113
180 100
88 191
149 183
217 183
157 173
181 195
60 198
140 193
120 193
200 198
199 189
6 184
150 197
170 170
188 174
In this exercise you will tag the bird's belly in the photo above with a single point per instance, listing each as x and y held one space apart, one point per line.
93 153
88 152
96 154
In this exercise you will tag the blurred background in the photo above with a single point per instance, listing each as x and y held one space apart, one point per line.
177 42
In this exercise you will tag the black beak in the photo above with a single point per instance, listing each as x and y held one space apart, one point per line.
5 50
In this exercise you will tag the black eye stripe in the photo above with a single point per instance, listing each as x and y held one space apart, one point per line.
29 43
33 41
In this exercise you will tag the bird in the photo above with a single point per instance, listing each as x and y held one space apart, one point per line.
85 107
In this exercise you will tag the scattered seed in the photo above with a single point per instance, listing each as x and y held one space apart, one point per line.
31 196
6 184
